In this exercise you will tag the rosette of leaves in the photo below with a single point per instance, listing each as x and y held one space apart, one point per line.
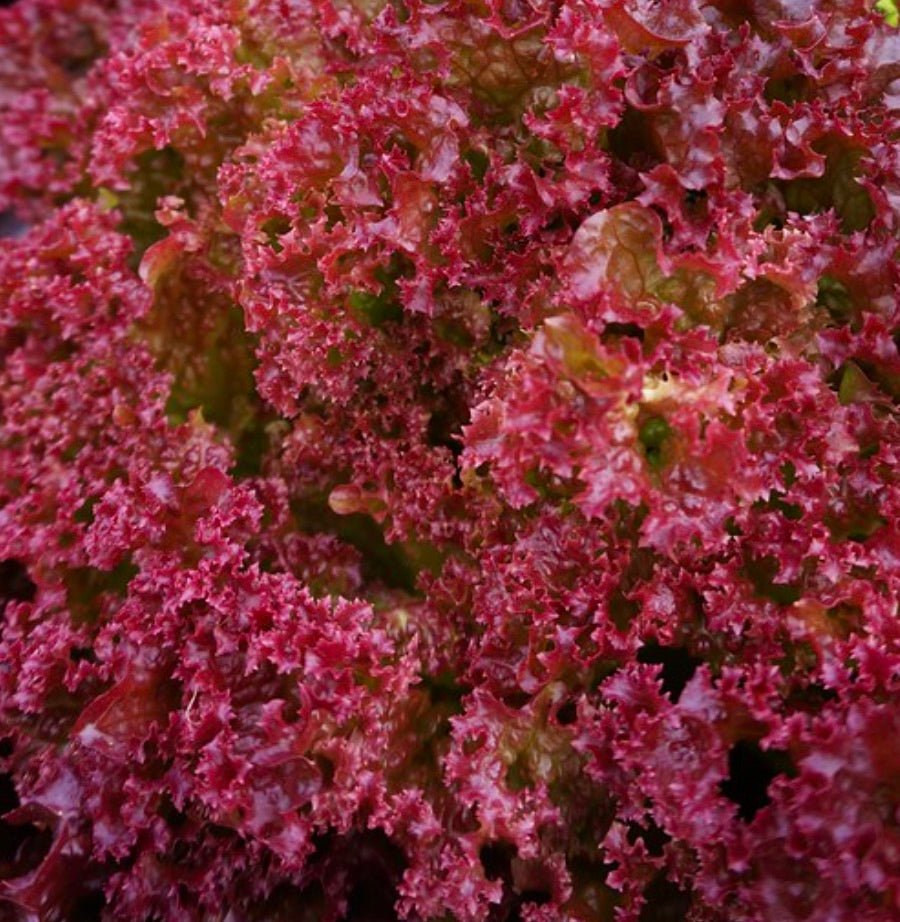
448 461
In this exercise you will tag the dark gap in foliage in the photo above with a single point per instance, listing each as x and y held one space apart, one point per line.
810 698
381 562
668 229
567 714
633 142
678 666
156 173
372 900
386 306
751 770
591 894
535 897
621 607
832 296
11 339
586 808
323 843
326 769
377 310
846 618
432 723
523 881
555 221
789 88
696 203
290 903
653 434
478 161
762 572
9 800
212 359
516 699
770 212
836 189
538 897
86 585
518 775
6 747
241 412
15 584
373 865
549 486
22 845
250 449
665 901
83 48
670 60
791 511
10 224
496 859
442 430
854 517
88 907
628 521
869 448
622 610
445 428
84 514
273 228
444 691
167 810
505 331
616 330
732 528
654 838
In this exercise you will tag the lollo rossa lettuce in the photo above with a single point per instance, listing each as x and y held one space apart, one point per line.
449 461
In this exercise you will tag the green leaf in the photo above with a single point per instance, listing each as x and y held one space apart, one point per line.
888 9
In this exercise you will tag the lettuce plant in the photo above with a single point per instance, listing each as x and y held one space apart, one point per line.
448 461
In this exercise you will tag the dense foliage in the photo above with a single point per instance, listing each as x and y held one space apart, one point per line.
448 461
